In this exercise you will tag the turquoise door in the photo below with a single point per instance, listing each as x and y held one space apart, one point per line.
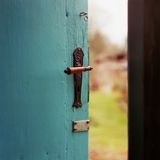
37 39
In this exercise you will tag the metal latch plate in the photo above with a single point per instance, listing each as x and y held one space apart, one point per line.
80 126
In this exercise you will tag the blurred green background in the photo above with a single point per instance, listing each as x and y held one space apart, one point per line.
108 106
108 133
108 121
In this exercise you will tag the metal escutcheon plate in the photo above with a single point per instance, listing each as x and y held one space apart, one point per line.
80 126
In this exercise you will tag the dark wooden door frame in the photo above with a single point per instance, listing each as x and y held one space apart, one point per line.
144 79
135 62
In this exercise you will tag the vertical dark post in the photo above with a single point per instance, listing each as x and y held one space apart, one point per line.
136 60
144 79
152 78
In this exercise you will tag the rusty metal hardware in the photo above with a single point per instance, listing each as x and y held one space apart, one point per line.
77 70
84 15
74 70
80 126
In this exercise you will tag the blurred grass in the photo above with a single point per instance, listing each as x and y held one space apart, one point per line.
108 123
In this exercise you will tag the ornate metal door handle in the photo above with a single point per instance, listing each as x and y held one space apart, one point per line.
77 70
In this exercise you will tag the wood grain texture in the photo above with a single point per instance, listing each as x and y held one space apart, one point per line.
152 78
77 143
37 39
144 79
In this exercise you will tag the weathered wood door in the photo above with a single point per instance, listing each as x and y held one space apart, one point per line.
37 40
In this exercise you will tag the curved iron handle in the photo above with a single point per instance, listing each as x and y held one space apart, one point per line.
77 70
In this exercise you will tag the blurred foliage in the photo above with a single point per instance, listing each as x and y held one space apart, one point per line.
108 122
97 43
